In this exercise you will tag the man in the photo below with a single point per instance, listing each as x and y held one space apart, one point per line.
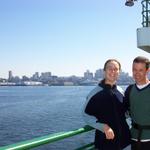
105 112
137 100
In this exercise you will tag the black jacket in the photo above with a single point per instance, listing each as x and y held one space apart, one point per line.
107 106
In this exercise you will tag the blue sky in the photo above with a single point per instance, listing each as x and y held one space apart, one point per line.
66 37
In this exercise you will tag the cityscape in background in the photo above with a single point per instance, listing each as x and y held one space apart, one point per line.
46 78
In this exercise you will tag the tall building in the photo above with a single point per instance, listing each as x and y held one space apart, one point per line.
10 75
35 76
99 74
46 76
88 75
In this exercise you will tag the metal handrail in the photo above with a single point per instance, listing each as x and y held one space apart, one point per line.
48 139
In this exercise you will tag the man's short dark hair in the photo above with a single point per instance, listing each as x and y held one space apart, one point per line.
142 59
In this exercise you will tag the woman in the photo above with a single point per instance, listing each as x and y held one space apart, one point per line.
104 110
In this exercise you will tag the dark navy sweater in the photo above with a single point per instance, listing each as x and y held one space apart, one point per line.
107 106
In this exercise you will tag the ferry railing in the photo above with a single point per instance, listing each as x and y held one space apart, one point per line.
36 142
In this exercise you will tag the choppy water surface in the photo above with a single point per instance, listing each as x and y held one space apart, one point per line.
29 112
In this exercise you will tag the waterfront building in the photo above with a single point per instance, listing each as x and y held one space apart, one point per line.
35 76
98 74
45 75
32 83
88 75
10 75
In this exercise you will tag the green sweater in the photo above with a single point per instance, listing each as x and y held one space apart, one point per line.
140 110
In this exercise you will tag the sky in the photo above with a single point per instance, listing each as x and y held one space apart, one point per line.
67 37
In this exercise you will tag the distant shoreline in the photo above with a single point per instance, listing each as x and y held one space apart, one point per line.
61 85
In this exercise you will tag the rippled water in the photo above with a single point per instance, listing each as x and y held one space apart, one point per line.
29 112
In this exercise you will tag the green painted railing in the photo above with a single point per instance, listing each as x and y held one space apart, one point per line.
49 139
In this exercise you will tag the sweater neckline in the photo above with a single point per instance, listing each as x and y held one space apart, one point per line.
106 86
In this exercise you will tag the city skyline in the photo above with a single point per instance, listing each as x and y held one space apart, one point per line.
67 37
47 78
11 74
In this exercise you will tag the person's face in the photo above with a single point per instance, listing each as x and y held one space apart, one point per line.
111 72
139 73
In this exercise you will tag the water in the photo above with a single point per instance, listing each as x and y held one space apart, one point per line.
29 112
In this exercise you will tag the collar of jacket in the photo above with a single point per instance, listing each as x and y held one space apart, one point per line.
106 86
